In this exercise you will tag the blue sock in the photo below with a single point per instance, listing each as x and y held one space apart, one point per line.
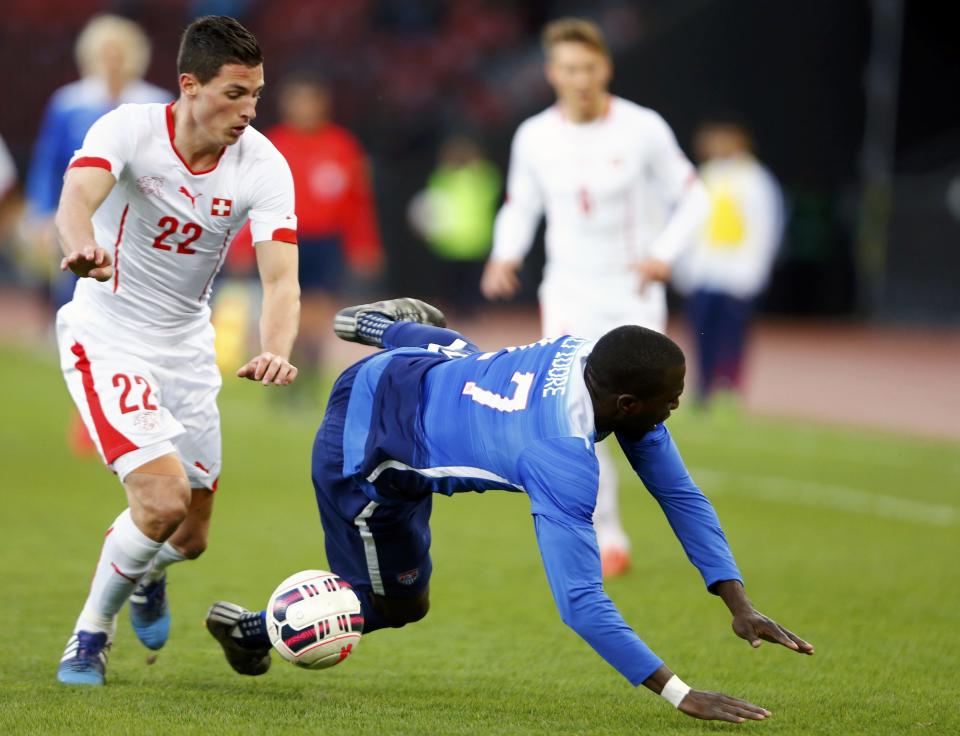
416 335
251 630
371 619
372 325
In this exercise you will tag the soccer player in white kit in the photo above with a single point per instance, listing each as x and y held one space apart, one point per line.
621 202
149 206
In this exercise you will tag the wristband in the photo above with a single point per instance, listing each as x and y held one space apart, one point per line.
674 691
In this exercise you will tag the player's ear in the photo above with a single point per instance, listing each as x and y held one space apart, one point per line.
627 403
189 84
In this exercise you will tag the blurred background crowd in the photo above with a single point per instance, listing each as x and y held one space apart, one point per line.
397 116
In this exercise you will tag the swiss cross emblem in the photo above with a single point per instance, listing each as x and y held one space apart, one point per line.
221 207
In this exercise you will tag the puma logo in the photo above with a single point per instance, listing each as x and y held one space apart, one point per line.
191 197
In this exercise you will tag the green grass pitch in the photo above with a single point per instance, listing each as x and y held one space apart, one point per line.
850 538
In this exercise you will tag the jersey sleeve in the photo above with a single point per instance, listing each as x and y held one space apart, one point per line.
110 143
516 222
657 461
681 190
271 212
561 476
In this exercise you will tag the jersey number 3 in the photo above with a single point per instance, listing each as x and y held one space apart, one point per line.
517 402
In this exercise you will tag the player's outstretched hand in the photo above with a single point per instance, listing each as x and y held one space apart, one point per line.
269 369
650 270
500 280
710 706
94 263
754 627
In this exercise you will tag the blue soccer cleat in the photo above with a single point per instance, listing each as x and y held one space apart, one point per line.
84 661
149 613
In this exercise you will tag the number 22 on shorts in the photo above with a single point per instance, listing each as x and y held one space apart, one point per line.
145 403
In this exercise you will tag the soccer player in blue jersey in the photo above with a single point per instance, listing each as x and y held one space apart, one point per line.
434 414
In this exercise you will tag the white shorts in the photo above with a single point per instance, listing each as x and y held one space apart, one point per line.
143 398
571 309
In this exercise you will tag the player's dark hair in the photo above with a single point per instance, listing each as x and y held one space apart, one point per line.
212 41
632 360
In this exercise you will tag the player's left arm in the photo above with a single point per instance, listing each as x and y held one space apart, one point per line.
681 187
273 230
279 317
657 461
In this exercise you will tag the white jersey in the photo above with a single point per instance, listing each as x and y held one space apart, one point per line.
607 188
168 227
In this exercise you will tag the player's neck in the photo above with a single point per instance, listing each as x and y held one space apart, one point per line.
197 150
583 115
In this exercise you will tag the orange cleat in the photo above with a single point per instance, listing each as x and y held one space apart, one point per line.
614 561
78 439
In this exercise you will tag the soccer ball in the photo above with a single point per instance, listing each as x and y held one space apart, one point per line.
314 619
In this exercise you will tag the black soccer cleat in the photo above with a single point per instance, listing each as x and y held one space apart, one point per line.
405 309
221 618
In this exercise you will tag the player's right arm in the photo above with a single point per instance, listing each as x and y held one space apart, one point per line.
84 190
516 222
91 175
560 476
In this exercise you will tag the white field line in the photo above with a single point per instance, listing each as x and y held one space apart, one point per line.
825 495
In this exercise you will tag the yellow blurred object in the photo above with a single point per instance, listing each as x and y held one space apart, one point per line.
726 228
231 315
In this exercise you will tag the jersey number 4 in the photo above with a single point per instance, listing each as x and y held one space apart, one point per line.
517 402
170 225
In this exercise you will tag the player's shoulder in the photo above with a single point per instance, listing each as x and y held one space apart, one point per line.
141 92
535 127
632 113
257 150
85 93
142 120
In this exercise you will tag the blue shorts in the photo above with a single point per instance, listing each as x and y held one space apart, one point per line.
373 546
322 265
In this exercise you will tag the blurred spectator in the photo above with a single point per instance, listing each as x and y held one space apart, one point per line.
454 215
337 225
8 180
8 171
730 264
112 54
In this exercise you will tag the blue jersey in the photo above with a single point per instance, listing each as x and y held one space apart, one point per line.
521 419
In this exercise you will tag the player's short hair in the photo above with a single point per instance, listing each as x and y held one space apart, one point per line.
633 360
212 41
104 29
574 30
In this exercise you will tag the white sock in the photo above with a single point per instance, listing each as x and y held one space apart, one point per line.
167 555
606 516
125 556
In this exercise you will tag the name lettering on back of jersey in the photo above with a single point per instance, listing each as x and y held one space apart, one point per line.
559 373
221 207
192 197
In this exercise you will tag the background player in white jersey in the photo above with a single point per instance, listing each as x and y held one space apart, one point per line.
621 202
149 205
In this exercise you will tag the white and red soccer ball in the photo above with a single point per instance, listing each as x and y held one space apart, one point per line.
314 619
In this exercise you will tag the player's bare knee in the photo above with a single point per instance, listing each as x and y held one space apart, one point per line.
158 503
